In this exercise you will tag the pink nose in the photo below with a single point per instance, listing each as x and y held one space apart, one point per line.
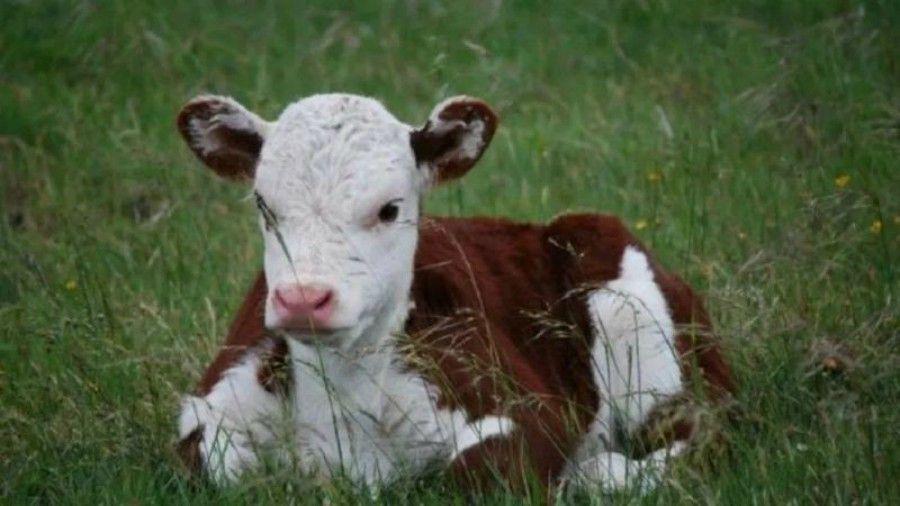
304 306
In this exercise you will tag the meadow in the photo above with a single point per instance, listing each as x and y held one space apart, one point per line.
753 145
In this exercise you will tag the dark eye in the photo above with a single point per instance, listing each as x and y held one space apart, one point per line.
388 213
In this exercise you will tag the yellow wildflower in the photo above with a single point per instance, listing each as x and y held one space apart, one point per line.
654 176
875 227
71 285
842 181
640 224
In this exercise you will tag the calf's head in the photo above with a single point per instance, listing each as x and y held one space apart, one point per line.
338 181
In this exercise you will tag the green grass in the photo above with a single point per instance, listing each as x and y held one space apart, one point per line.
717 130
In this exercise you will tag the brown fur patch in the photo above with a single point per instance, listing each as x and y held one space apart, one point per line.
246 332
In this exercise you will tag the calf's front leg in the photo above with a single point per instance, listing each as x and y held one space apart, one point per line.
235 411
223 433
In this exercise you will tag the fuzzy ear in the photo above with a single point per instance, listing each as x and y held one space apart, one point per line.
454 137
223 134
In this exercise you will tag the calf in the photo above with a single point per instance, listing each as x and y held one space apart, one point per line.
378 342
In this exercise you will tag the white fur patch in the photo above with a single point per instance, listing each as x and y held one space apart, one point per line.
372 420
480 430
635 363
473 142
635 367
615 471
238 419
363 416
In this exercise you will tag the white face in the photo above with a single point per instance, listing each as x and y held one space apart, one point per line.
338 182
339 177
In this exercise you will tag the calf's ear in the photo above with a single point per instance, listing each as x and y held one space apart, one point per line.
224 135
454 137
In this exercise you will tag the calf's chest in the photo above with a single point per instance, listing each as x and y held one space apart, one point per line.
366 417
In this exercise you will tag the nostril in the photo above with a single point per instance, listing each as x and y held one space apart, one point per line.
279 298
324 300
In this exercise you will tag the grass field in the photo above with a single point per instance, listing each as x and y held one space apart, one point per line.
754 145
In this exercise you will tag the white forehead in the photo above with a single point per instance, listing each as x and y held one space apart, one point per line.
331 142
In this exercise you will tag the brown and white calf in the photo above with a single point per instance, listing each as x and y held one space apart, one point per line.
379 342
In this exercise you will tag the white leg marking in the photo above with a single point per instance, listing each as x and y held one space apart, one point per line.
635 364
615 471
635 367
236 417
476 432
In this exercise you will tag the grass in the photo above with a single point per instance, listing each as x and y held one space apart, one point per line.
754 146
